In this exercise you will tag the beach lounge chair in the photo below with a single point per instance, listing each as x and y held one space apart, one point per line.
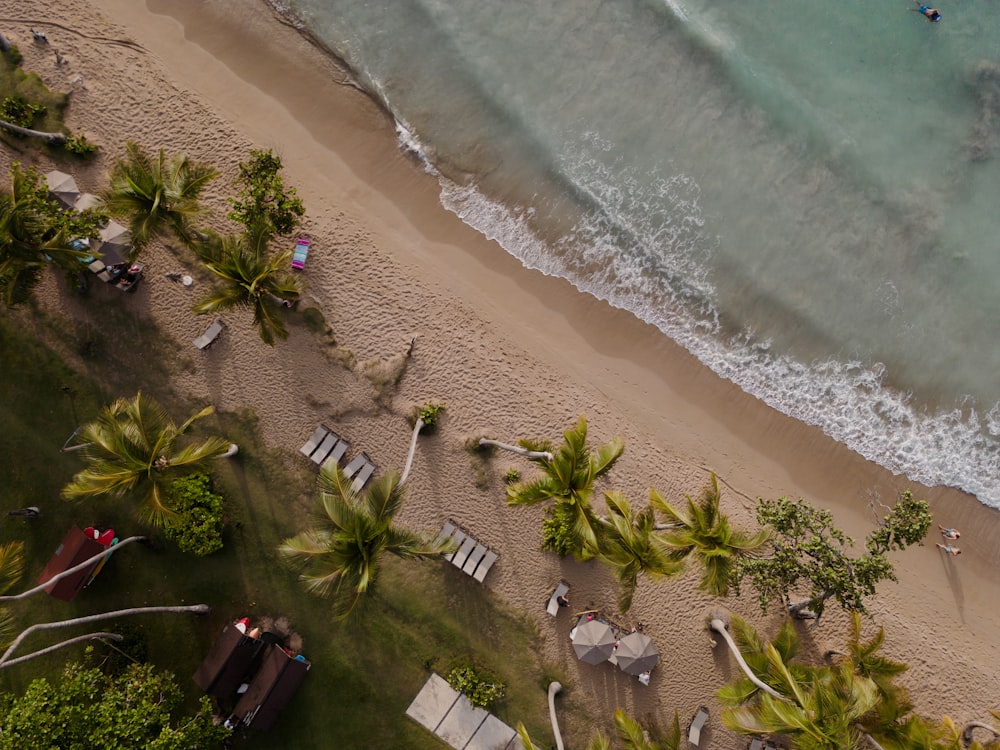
300 253
474 559
697 724
337 454
210 335
553 606
756 744
364 474
457 538
484 565
446 531
313 442
458 560
325 448
355 465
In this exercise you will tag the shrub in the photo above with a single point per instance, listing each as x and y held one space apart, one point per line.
512 476
481 689
429 413
19 111
79 145
198 525
557 531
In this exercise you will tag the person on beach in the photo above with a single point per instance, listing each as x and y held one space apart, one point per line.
931 14
949 549
949 533
562 601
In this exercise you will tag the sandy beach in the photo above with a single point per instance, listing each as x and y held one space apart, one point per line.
511 353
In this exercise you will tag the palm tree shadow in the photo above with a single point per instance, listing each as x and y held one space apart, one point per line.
951 572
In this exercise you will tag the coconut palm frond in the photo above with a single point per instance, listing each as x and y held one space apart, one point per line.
11 565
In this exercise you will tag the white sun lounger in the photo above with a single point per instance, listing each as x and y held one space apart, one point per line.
474 559
756 744
553 606
457 538
210 335
314 440
355 465
325 448
463 552
697 724
363 476
484 565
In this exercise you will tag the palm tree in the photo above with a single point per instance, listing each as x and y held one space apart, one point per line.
133 449
703 533
568 480
11 570
339 555
626 544
851 704
251 278
157 194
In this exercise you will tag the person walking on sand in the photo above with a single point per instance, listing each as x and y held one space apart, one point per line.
949 549
949 533
931 14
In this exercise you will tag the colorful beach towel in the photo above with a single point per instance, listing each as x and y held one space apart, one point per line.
300 254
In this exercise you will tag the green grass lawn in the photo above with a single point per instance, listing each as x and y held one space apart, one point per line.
426 616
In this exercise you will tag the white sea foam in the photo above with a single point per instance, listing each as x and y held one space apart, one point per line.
847 400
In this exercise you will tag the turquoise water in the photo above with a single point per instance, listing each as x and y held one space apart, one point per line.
804 195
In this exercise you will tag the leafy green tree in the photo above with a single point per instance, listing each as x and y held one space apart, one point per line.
263 198
627 544
197 525
157 195
339 556
808 550
134 449
88 709
250 277
33 235
567 480
703 533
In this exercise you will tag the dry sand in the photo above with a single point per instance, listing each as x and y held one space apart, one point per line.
510 352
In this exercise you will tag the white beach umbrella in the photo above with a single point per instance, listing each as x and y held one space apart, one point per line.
636 653
85 201
593 641
63 187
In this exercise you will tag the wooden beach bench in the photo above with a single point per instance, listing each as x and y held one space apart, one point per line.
210 335
470 556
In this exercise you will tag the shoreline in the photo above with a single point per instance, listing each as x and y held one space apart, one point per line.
403 265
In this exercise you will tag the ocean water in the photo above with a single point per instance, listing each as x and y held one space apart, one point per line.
805 195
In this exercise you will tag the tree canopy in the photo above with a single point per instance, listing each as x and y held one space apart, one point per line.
263 198
88 709
807 550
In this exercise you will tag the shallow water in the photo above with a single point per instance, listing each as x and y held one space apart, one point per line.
802 194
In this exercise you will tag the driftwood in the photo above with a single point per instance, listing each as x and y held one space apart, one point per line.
56 139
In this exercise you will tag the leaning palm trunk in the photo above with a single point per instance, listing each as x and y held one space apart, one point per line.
63 644
413 449
555 687
515 449
720 627
197 609
56 139
75 569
